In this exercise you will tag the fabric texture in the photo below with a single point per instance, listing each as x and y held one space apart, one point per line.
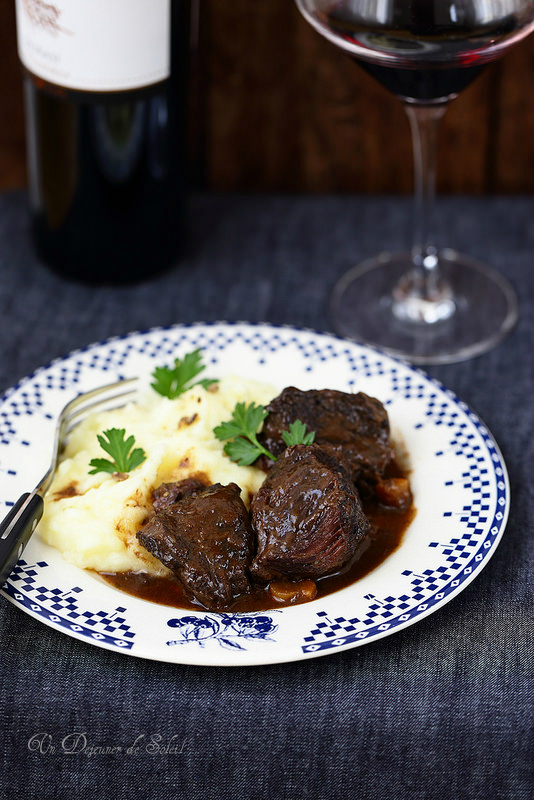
442 709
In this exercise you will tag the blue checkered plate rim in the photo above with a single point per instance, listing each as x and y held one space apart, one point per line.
458 477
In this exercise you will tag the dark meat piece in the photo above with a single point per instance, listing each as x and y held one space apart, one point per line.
169 493
307 516
206 539
354 428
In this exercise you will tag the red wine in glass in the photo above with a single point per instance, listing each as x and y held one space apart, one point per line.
429 306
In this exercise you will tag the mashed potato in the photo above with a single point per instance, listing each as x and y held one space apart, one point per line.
93 519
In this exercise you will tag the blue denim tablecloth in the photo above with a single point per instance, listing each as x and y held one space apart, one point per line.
443 709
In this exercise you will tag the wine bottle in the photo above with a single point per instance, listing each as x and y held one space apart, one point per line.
105 85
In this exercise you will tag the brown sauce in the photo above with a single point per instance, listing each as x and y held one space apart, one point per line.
388 527
67 491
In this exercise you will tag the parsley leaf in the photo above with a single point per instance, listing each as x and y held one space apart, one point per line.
240 434
243 451
174 381
297 434
125 459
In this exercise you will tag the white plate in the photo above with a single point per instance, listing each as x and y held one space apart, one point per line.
458 478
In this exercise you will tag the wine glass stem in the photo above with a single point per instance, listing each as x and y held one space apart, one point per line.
421 295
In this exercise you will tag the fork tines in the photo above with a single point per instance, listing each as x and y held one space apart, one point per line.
105 398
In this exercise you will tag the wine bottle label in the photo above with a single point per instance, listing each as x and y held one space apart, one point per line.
95 45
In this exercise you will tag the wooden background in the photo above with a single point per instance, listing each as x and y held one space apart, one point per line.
281 110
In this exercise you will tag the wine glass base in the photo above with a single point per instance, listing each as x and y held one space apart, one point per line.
478 308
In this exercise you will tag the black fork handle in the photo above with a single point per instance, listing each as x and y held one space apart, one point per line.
16 529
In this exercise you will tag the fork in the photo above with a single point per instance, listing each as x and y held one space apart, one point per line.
21 521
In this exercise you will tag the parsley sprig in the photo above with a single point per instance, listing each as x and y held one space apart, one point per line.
125 456
240 434
297 434
174 381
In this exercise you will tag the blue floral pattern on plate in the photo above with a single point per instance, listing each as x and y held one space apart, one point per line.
458 477
225 629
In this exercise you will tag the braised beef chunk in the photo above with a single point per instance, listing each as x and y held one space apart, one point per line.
206 539
352 427
169 493
307 516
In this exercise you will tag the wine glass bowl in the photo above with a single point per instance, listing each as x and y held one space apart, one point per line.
428 305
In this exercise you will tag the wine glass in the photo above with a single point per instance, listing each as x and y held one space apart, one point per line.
428 306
